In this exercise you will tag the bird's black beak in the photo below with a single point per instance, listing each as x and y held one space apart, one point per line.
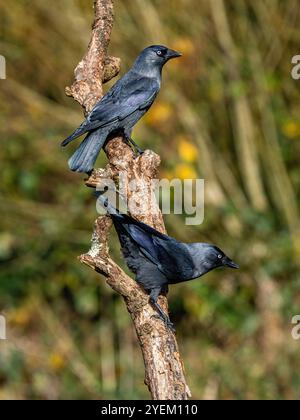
172 54
229 263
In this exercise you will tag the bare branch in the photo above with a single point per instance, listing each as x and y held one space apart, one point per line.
96 67
164 372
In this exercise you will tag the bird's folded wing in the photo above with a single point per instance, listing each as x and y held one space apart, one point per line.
119 103
170 256
123 101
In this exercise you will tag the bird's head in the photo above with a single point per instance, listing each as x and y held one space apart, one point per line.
155 56
208 257
217 258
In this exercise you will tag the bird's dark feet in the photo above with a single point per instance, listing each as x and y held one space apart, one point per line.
138 152
136 149
171 326
166 321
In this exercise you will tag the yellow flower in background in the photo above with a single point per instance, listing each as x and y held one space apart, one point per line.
158 114
186 149
184 171
184 45
291 129
20 316
56 361
167 174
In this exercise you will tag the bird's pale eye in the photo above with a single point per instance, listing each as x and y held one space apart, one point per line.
159 52
220 256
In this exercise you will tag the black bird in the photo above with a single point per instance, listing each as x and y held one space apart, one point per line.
158 260
121 107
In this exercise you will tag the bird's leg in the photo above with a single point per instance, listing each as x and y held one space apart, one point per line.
161 314
138 148
127 136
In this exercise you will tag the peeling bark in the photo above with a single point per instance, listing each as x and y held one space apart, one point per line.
164 372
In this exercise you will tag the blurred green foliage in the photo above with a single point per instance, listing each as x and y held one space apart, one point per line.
229 112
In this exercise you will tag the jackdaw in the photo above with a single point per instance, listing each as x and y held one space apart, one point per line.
121 107
158 260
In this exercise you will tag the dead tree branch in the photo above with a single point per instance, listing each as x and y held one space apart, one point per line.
164 372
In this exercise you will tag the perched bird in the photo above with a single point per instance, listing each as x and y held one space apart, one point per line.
158 260
121 107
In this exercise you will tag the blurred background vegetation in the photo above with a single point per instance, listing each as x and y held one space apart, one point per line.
229 112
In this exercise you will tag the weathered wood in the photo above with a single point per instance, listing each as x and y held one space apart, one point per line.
164 372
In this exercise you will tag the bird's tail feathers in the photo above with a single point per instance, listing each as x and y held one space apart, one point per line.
85 156
78 132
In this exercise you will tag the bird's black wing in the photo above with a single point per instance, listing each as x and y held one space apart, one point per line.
125 98
147 273
169 255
